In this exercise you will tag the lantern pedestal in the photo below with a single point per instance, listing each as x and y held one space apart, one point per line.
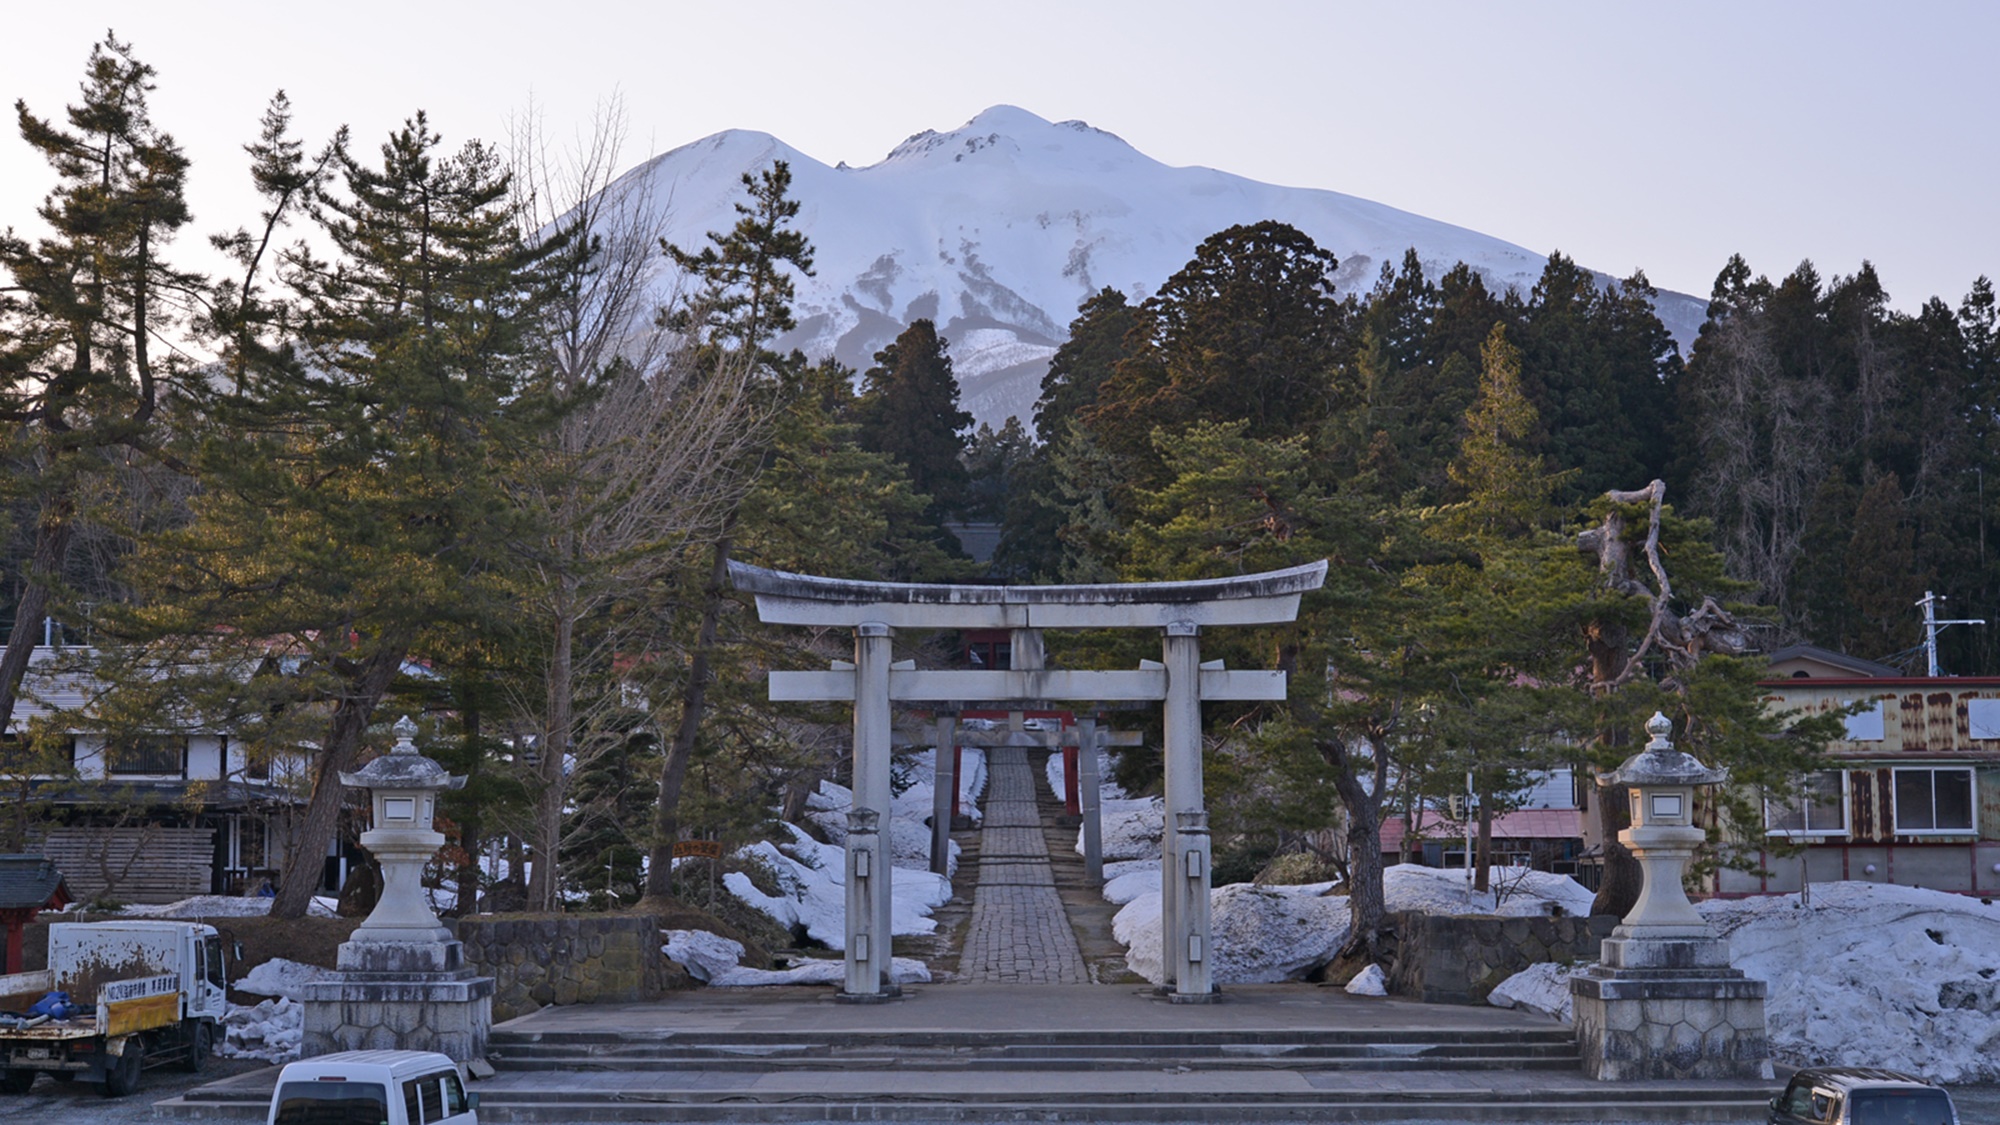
1663 1002
402 982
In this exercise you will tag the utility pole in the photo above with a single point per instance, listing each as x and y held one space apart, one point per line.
1932 625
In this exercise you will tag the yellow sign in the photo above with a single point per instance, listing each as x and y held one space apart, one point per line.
126 1016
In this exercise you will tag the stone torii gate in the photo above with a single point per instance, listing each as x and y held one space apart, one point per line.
1180 681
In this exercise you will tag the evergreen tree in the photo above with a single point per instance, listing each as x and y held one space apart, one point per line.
82 317
1883 583
352 509
743 302
909 411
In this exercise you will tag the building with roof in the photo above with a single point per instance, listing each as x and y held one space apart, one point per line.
150 819
1911 795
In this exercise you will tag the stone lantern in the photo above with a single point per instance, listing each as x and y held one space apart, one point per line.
402 982
1663 836
1663 1001
403 786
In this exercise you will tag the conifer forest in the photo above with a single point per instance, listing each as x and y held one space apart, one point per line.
427 446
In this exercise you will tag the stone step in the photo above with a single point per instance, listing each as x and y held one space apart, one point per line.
713 1096
903 1040
659 1057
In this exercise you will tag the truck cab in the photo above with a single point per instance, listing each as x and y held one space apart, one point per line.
140 994
373 1088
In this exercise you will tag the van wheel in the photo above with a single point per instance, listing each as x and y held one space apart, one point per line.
16 1081
122 1077
200 1038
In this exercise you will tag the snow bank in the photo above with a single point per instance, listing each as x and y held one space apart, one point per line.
219 906
1520 892
1542 987
812 890
1867 975
1106 762
909 809
269 1030
279 977
1874 975
1261 934
706 955
1131 828
1128 879
1273 933
902 970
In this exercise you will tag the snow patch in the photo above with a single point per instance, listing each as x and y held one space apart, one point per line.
705 954
1369 982
1874 975
902 970
812 890
269 1030
1542 987
220 906
1261 935
279 977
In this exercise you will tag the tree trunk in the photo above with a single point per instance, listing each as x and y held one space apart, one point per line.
544 884
1482 857
1365 901
1619 892
694 704
306 862
52 538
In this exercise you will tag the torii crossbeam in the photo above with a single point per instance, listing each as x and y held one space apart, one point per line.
1180 681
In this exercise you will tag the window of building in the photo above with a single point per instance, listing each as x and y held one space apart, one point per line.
1866 726
1983 716
1933 800
147 754
1819 808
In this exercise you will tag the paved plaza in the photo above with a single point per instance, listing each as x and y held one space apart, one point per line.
1018 933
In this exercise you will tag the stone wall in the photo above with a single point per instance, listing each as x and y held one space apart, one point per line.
536 961
1458 959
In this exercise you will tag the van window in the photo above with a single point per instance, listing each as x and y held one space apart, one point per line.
454 1094
332 1103
433 1097
1900 1107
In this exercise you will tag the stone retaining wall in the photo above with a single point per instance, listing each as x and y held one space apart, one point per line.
1458 959
565 959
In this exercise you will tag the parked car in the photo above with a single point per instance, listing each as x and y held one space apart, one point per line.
1859 1095
373 1088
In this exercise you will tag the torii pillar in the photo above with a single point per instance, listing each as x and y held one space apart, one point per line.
1180 682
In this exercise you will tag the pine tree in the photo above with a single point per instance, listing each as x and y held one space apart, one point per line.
909 411
353 509
81 320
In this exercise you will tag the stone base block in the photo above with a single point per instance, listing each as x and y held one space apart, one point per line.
451 1013
1665 1024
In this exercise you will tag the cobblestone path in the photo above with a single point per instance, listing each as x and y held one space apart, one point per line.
1018 931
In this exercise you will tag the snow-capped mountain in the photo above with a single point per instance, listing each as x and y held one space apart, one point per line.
999 228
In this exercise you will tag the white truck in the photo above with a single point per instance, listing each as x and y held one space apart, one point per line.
144 993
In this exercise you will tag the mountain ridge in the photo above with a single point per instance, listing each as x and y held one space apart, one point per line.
998 229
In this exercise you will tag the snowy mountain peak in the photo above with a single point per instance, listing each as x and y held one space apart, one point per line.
998 229
1009 130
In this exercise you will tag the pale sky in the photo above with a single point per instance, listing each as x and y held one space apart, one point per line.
1660 135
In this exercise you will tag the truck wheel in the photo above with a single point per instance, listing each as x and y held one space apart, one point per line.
16 1081
200 1038
122 1077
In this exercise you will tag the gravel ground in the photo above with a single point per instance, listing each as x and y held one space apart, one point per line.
51 1102
78 1102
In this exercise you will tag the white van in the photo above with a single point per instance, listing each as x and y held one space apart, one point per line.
373 1088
